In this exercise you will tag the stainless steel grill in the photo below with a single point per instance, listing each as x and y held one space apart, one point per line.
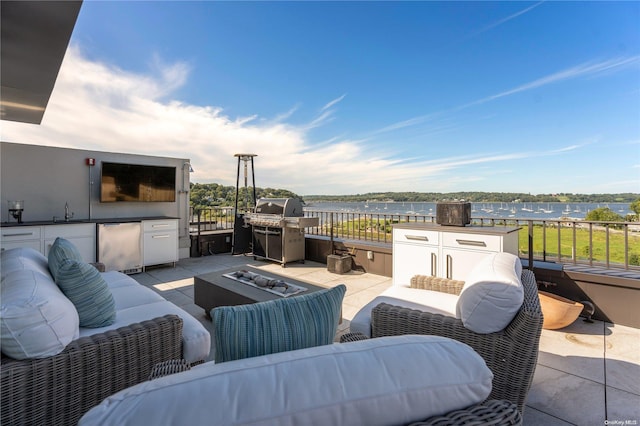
278 229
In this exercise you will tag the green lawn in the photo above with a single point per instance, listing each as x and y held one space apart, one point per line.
582 250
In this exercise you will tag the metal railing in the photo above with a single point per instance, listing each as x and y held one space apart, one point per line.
210 219
613 245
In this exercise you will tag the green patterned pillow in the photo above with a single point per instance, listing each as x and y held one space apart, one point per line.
89 293
280 325
60 251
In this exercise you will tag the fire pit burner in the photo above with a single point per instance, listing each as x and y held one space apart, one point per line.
275 286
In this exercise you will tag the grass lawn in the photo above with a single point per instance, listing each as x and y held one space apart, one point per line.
583 248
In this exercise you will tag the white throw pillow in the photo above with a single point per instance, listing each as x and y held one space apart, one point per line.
389 380
492 294
36 319
21 258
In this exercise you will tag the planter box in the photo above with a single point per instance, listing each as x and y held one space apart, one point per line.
339 264
453 213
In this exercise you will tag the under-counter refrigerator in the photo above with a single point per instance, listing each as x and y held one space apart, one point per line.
120 246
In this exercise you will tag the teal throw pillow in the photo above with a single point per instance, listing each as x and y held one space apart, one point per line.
60 251
88 291
296 322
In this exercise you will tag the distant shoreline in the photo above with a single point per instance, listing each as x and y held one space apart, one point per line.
475 197
489 210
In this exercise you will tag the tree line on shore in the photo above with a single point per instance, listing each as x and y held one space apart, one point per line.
205 195
478 197
213 194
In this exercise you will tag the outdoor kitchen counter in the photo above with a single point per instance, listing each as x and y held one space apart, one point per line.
491 230
77 221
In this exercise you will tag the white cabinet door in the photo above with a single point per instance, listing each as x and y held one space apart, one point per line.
34 244
81 235
21 236
160 241
456 264
413 259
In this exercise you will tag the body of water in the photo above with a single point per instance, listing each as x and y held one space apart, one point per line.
488 210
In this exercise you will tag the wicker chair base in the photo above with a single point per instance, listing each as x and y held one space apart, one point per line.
491 412
58 390
166 368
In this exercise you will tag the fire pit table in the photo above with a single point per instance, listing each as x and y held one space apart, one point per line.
224 288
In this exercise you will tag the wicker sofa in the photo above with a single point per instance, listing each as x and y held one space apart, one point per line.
53 370
58 390
511 353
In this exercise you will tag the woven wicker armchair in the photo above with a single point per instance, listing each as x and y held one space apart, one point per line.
59 389
511 354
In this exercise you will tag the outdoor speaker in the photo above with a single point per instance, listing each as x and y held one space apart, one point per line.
456 213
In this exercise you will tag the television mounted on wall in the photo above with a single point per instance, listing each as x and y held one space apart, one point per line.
137 183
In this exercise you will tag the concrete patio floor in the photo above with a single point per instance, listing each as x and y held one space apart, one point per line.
587 373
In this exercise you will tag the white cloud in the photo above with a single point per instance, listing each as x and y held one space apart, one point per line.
508 18
587 69
285 115
333 102
99 107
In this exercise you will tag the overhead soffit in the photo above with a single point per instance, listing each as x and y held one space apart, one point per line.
35 36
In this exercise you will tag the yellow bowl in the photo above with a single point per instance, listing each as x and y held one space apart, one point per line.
558 311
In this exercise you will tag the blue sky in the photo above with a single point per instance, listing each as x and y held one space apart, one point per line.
354 97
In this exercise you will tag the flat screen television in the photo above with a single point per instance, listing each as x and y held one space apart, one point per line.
137 183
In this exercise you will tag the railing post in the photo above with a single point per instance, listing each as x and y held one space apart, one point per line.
331 237
626 246
198 237
530 245
573 245
607 244
544 241
559 242
590 244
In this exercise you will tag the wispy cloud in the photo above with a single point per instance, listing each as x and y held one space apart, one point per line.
287 114
405 123
586 69
333 102
171 76
325 117
508 18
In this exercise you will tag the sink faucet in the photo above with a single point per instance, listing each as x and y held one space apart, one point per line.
67 215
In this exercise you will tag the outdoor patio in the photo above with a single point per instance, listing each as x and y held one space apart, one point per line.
587 373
